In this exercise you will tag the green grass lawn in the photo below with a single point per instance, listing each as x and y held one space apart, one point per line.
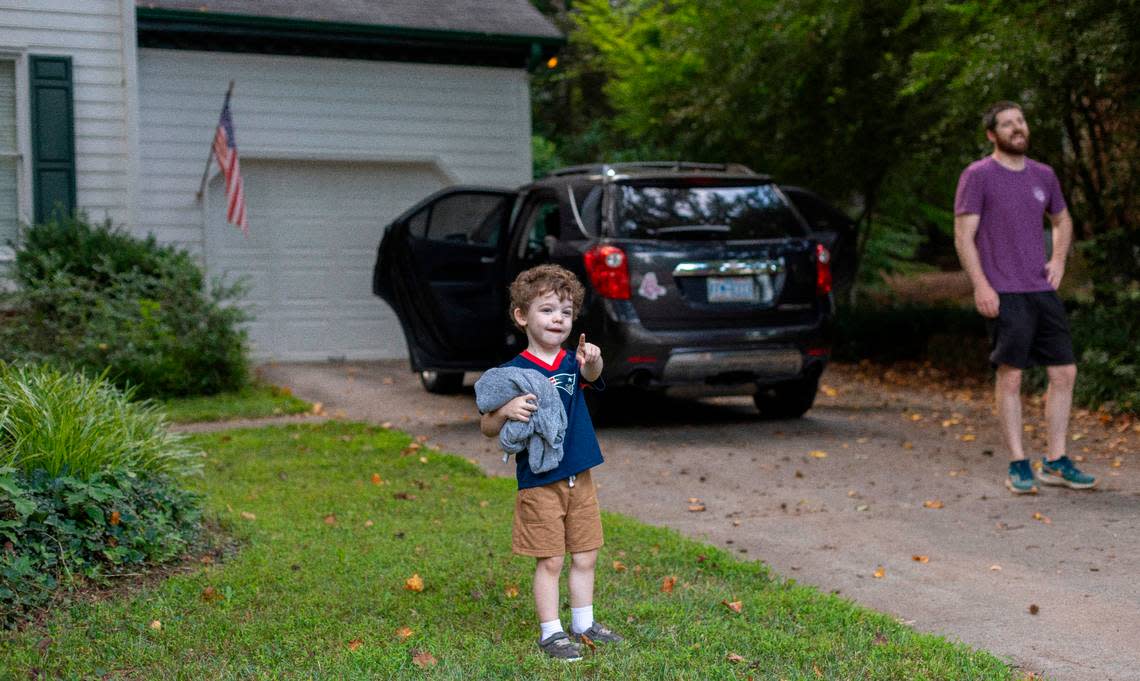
256 401
318 589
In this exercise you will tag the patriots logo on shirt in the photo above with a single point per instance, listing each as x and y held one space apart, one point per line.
1039 194
564 382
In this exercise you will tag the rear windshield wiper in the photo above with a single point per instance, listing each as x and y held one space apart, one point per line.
689 228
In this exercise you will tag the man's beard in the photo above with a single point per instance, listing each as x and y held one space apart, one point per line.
1012 147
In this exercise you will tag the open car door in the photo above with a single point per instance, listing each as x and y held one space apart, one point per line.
441 267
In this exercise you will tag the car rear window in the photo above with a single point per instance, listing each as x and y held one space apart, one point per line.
686 211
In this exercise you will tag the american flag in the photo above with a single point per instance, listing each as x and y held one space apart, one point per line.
225 150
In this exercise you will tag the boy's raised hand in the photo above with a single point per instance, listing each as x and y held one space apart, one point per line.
587 354
520 408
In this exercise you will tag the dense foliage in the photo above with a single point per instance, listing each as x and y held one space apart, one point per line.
96 299
58 528
874 104
88 484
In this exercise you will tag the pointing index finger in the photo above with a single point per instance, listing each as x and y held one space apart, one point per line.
582 341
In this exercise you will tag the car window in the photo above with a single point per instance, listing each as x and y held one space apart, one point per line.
543 227
417 224
588 200
468 218
684 211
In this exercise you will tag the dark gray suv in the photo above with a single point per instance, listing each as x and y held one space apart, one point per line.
702 279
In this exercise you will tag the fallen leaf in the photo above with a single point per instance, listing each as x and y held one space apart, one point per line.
115 517
589 642
916 417
318 408
862 507
212 595
330 519
156 625
995 567
1078 436
387 425
879 572
735 606
967 437
696 508
818 454
619 566
368 523
734 658
511 591
829 391
667 584
376 480
920 559
355 644
818 673
423 459
414 583
1117 463
248 516
1033 609
880 640
694 500
405 496
1038 515
484 504
908 445
423 659
932 503
403 633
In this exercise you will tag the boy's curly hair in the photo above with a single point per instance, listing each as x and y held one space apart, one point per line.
543 279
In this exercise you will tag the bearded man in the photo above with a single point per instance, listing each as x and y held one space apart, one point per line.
999 234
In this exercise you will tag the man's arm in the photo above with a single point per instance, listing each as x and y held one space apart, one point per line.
965 229
1062 239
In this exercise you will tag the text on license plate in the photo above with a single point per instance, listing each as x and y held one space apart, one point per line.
731 290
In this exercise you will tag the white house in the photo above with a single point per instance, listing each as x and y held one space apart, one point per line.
346 113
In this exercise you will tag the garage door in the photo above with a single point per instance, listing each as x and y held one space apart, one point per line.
313 232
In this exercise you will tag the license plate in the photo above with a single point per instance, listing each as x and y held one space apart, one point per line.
731 290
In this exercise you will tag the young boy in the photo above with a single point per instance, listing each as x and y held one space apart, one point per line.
557 511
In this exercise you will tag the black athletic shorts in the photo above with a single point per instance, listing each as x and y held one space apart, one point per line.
1031 329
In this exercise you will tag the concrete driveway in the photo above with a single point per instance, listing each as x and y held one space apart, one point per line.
906 480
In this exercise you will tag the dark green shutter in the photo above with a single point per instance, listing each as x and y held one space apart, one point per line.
53 135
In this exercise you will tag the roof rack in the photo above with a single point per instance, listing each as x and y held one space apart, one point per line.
676 166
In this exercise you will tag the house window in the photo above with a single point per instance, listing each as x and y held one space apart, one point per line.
9 160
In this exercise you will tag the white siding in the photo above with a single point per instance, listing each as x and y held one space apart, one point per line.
472 123
91 33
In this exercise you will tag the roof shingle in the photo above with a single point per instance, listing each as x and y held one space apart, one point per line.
496 17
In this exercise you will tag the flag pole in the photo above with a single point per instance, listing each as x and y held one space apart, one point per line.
210 154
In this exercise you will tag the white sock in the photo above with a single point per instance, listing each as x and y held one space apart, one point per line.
550 628
581 618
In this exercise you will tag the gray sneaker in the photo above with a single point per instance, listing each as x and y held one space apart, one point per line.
560 647
598 633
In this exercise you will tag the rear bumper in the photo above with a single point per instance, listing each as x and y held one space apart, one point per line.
709 361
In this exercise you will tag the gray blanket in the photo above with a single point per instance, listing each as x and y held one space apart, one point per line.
542 436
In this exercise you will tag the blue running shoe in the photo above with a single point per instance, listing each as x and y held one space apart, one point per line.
1063 472
1020 480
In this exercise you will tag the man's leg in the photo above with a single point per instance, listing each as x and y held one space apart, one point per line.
1058 404
1007 394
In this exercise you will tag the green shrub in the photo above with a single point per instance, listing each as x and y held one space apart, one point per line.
87 483
96 299
57 528
950 337
69 424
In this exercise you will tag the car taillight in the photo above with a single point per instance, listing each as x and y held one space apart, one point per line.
608 270
822 270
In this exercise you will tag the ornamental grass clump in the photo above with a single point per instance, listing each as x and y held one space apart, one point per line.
89 485
69 424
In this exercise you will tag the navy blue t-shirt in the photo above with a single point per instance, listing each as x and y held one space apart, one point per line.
580 449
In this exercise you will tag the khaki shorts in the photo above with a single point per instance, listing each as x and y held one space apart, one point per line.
556 519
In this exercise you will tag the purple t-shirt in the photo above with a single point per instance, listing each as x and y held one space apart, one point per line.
1010 205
